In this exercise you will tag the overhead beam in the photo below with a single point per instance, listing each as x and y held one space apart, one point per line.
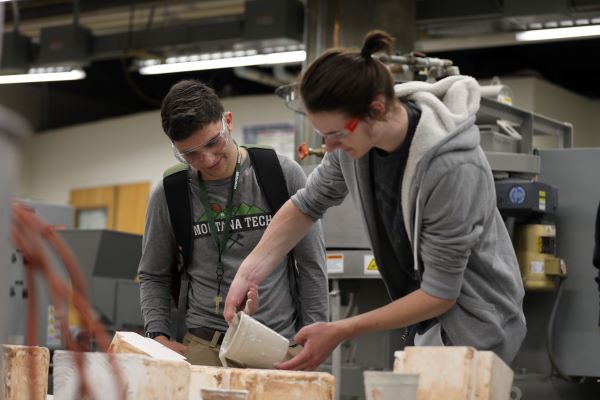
200 36
112 19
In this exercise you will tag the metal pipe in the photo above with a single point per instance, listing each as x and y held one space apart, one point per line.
16 18
412 59
255 75
336 357
4 249
1 29
76 12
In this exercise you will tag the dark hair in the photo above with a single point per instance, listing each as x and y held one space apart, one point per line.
189 106
348 80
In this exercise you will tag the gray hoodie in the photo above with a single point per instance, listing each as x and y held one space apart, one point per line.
461 247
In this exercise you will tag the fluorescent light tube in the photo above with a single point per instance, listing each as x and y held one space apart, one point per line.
288 57
43 77
559 33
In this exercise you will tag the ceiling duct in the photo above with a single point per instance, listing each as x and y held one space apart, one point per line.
585 5
274 23
17 49
158 29
271 33
65 45
198 36
17 53
520 8
472 17
537 14
432 10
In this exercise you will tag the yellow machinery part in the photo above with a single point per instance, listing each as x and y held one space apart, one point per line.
536 253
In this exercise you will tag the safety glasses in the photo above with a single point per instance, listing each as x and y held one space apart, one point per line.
349 127
214 145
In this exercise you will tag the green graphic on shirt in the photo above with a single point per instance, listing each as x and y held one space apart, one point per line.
242 209
245 217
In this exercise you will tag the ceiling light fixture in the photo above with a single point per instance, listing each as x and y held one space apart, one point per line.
559 33
44 75
287 57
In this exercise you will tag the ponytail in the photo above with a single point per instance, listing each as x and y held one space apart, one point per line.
347 80
375 42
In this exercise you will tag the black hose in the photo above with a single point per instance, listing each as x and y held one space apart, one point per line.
550 336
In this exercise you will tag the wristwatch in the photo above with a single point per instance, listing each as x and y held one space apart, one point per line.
152 335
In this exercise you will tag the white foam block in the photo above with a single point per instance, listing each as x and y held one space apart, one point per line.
461 373
131 342
494 377
144 377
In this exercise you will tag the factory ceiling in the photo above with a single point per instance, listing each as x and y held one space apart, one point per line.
477 35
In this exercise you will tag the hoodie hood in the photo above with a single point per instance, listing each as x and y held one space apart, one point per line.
448 109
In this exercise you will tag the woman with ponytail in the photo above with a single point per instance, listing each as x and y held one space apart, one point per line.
409 156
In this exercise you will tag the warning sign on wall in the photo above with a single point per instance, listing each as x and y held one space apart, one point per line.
370 266
335 263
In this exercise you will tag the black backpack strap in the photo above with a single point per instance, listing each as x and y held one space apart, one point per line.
269 176
175 182
272 182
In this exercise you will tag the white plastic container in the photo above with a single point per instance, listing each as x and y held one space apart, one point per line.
252 344
388 385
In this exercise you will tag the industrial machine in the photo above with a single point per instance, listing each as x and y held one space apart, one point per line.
528 207
577 341
535 245
552 237
527 204
13 132
109 262
56 215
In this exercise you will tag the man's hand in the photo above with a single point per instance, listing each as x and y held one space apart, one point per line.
319 340
251 300
175 346
242 295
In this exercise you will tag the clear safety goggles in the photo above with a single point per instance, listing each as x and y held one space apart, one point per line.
349 128
214 145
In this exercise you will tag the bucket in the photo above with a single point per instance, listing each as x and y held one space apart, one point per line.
252 344
388 385
223 394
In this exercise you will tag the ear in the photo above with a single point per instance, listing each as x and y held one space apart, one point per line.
229 119
377 107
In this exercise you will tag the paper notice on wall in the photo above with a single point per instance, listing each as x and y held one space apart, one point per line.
279 136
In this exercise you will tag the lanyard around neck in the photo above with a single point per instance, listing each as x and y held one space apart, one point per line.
221 241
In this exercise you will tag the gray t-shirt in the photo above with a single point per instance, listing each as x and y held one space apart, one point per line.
250 218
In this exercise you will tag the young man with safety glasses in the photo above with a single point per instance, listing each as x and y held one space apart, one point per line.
229 215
